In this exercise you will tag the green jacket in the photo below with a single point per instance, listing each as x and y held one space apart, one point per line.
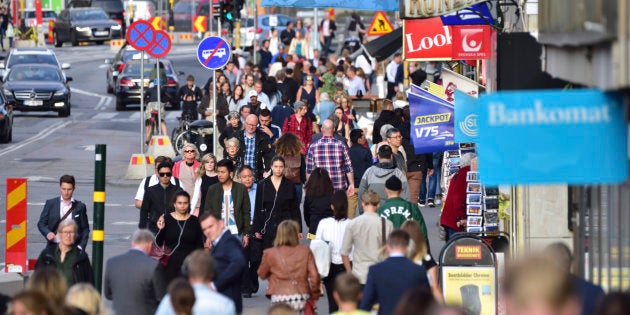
399 210
240 197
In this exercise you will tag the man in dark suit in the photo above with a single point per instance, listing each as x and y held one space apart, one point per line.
389 280
229 260
57 208
157 199
133 280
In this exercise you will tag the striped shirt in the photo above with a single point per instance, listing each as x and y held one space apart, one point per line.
331 155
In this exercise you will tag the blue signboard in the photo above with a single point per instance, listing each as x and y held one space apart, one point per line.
370 5
466 125
213 52
478 14
552 136
431 124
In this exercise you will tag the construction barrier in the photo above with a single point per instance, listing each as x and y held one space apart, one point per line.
161 145
15 245
51 37
116 44
140 166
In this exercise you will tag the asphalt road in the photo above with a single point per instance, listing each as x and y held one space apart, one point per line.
45 147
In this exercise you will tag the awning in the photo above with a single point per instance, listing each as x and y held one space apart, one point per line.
385 46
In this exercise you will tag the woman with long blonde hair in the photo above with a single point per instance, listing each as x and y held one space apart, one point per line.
85 297
206 177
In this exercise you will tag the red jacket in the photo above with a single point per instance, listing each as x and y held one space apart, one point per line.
455 204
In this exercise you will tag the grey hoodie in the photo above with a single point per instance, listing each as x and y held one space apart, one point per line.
374 178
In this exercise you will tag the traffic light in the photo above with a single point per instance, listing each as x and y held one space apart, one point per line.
226 11
237 7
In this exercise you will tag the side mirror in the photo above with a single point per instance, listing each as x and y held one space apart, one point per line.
68 79
1 65
65 66
108 61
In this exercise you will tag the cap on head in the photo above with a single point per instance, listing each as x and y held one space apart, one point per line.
393 183
252 93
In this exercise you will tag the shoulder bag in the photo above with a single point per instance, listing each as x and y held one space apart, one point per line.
65 216
382 251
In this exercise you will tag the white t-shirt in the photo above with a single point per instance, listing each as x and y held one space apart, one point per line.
227 212
332 231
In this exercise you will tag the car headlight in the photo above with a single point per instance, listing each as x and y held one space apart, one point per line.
83 29
60 92
7 92
116 27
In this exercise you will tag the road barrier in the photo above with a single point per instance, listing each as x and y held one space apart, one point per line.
161 145
140 166
15 245
115 44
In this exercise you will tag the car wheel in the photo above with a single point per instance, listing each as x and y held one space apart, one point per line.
73 39
58 43
6 137
64 112
100 42
120 105
109 89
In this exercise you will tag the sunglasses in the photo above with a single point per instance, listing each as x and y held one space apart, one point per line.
169 174
189 151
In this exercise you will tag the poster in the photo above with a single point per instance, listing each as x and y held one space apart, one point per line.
432 124
474 288
466 126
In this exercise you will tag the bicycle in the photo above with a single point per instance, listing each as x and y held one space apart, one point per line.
192 132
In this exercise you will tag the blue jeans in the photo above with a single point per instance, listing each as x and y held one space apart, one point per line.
450 233
434 180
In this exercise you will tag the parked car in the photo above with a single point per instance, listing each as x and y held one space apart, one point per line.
129 82
76 25
6 120
37 87
116 64
32 55
249 33
30 19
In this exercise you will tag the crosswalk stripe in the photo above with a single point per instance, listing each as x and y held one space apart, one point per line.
135 116
104 116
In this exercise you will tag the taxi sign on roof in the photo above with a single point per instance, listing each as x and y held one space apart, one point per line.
380 25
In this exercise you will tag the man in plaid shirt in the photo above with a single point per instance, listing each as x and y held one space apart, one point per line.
332 155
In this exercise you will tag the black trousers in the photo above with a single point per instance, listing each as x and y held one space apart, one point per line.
390 90
253 255
329 284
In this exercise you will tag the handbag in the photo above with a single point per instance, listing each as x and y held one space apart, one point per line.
321 252
161 254
309 306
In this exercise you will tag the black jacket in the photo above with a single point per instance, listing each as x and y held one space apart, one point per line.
386 117
81 268
157 201
272 208
316 209
289 87
361 160
263 152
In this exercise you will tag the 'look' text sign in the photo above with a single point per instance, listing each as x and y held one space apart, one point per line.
547 136
213 52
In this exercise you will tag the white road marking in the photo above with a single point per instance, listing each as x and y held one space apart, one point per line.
104 116
104 100
135 116
38 178
103 66
125 223
39 136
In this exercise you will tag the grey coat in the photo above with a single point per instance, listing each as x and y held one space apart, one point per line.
374 178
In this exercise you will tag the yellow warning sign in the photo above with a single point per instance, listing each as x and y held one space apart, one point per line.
380 25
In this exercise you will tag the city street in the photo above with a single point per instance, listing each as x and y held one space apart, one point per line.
45 147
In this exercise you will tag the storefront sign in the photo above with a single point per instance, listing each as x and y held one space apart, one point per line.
427 39
471 42
369 5
552 136
468 252
473 288
413 9
432 124
466 118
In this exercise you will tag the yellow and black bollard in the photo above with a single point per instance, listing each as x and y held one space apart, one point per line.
98 233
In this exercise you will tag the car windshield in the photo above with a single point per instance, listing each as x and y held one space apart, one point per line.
133 69
109 6
34 58
34 74
89 15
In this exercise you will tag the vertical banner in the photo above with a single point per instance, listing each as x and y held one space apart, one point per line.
466 125
15 250
452 81
432 124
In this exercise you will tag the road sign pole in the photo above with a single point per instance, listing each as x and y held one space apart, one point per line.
159 96
98 233
142 102
214 112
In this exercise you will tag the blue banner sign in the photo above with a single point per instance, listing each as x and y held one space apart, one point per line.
478 14
369 5
466 125
552 136
431 124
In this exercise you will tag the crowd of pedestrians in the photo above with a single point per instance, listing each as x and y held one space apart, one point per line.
293 153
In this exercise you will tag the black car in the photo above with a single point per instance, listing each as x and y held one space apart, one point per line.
128 83
37 87
6 120
116 64
115 9
84 25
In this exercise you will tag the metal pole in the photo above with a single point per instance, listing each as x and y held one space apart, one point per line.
315 40
98 233
159 118
142 102
255 10
214 111
210 17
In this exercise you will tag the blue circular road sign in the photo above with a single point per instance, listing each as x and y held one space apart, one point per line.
141 35
161 46
213 52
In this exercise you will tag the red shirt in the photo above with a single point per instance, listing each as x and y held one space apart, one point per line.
303 129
